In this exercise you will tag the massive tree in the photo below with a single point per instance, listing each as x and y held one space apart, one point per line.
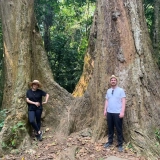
119 44
25 60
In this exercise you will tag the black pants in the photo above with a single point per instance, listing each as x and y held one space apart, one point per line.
35 119
113 120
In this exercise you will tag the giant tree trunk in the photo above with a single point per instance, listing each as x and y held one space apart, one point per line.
25 60
119 44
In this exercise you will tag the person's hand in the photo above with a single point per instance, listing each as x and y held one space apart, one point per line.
121 115
44 102
105 113
37 104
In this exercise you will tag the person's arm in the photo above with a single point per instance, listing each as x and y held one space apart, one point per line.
46 99
105 107
31 102
121 115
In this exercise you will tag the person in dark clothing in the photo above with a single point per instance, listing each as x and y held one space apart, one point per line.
34 100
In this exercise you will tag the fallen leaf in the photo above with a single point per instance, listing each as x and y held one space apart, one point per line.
47 129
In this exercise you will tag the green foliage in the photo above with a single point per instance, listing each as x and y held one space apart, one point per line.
65 36
2 118
149 14
15 137
19 125
130 146
157 134
16 130
4 145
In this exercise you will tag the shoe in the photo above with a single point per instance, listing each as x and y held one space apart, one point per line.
39 136
107 145
120 148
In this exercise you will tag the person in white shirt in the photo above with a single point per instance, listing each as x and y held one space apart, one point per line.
114 110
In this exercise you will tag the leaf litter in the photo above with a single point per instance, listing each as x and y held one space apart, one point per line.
74 147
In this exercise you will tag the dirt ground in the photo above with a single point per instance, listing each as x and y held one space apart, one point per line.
77 146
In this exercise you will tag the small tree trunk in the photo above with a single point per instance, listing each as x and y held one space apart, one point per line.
156 30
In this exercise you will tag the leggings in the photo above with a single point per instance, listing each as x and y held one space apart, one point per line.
35 119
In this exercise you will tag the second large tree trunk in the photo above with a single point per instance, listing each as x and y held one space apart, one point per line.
120 45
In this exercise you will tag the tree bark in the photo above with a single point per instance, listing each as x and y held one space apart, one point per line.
25 60
156 30
119 44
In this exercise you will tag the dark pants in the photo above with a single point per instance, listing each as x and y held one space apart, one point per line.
113 120
35 119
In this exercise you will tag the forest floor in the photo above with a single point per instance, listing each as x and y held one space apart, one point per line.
77 146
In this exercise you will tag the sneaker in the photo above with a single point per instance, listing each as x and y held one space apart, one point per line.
39 136
107 145
120 148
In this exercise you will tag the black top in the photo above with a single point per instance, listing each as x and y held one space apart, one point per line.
35 96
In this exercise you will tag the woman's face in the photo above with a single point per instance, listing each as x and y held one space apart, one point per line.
35 86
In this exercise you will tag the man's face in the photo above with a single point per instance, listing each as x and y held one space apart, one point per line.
113 82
